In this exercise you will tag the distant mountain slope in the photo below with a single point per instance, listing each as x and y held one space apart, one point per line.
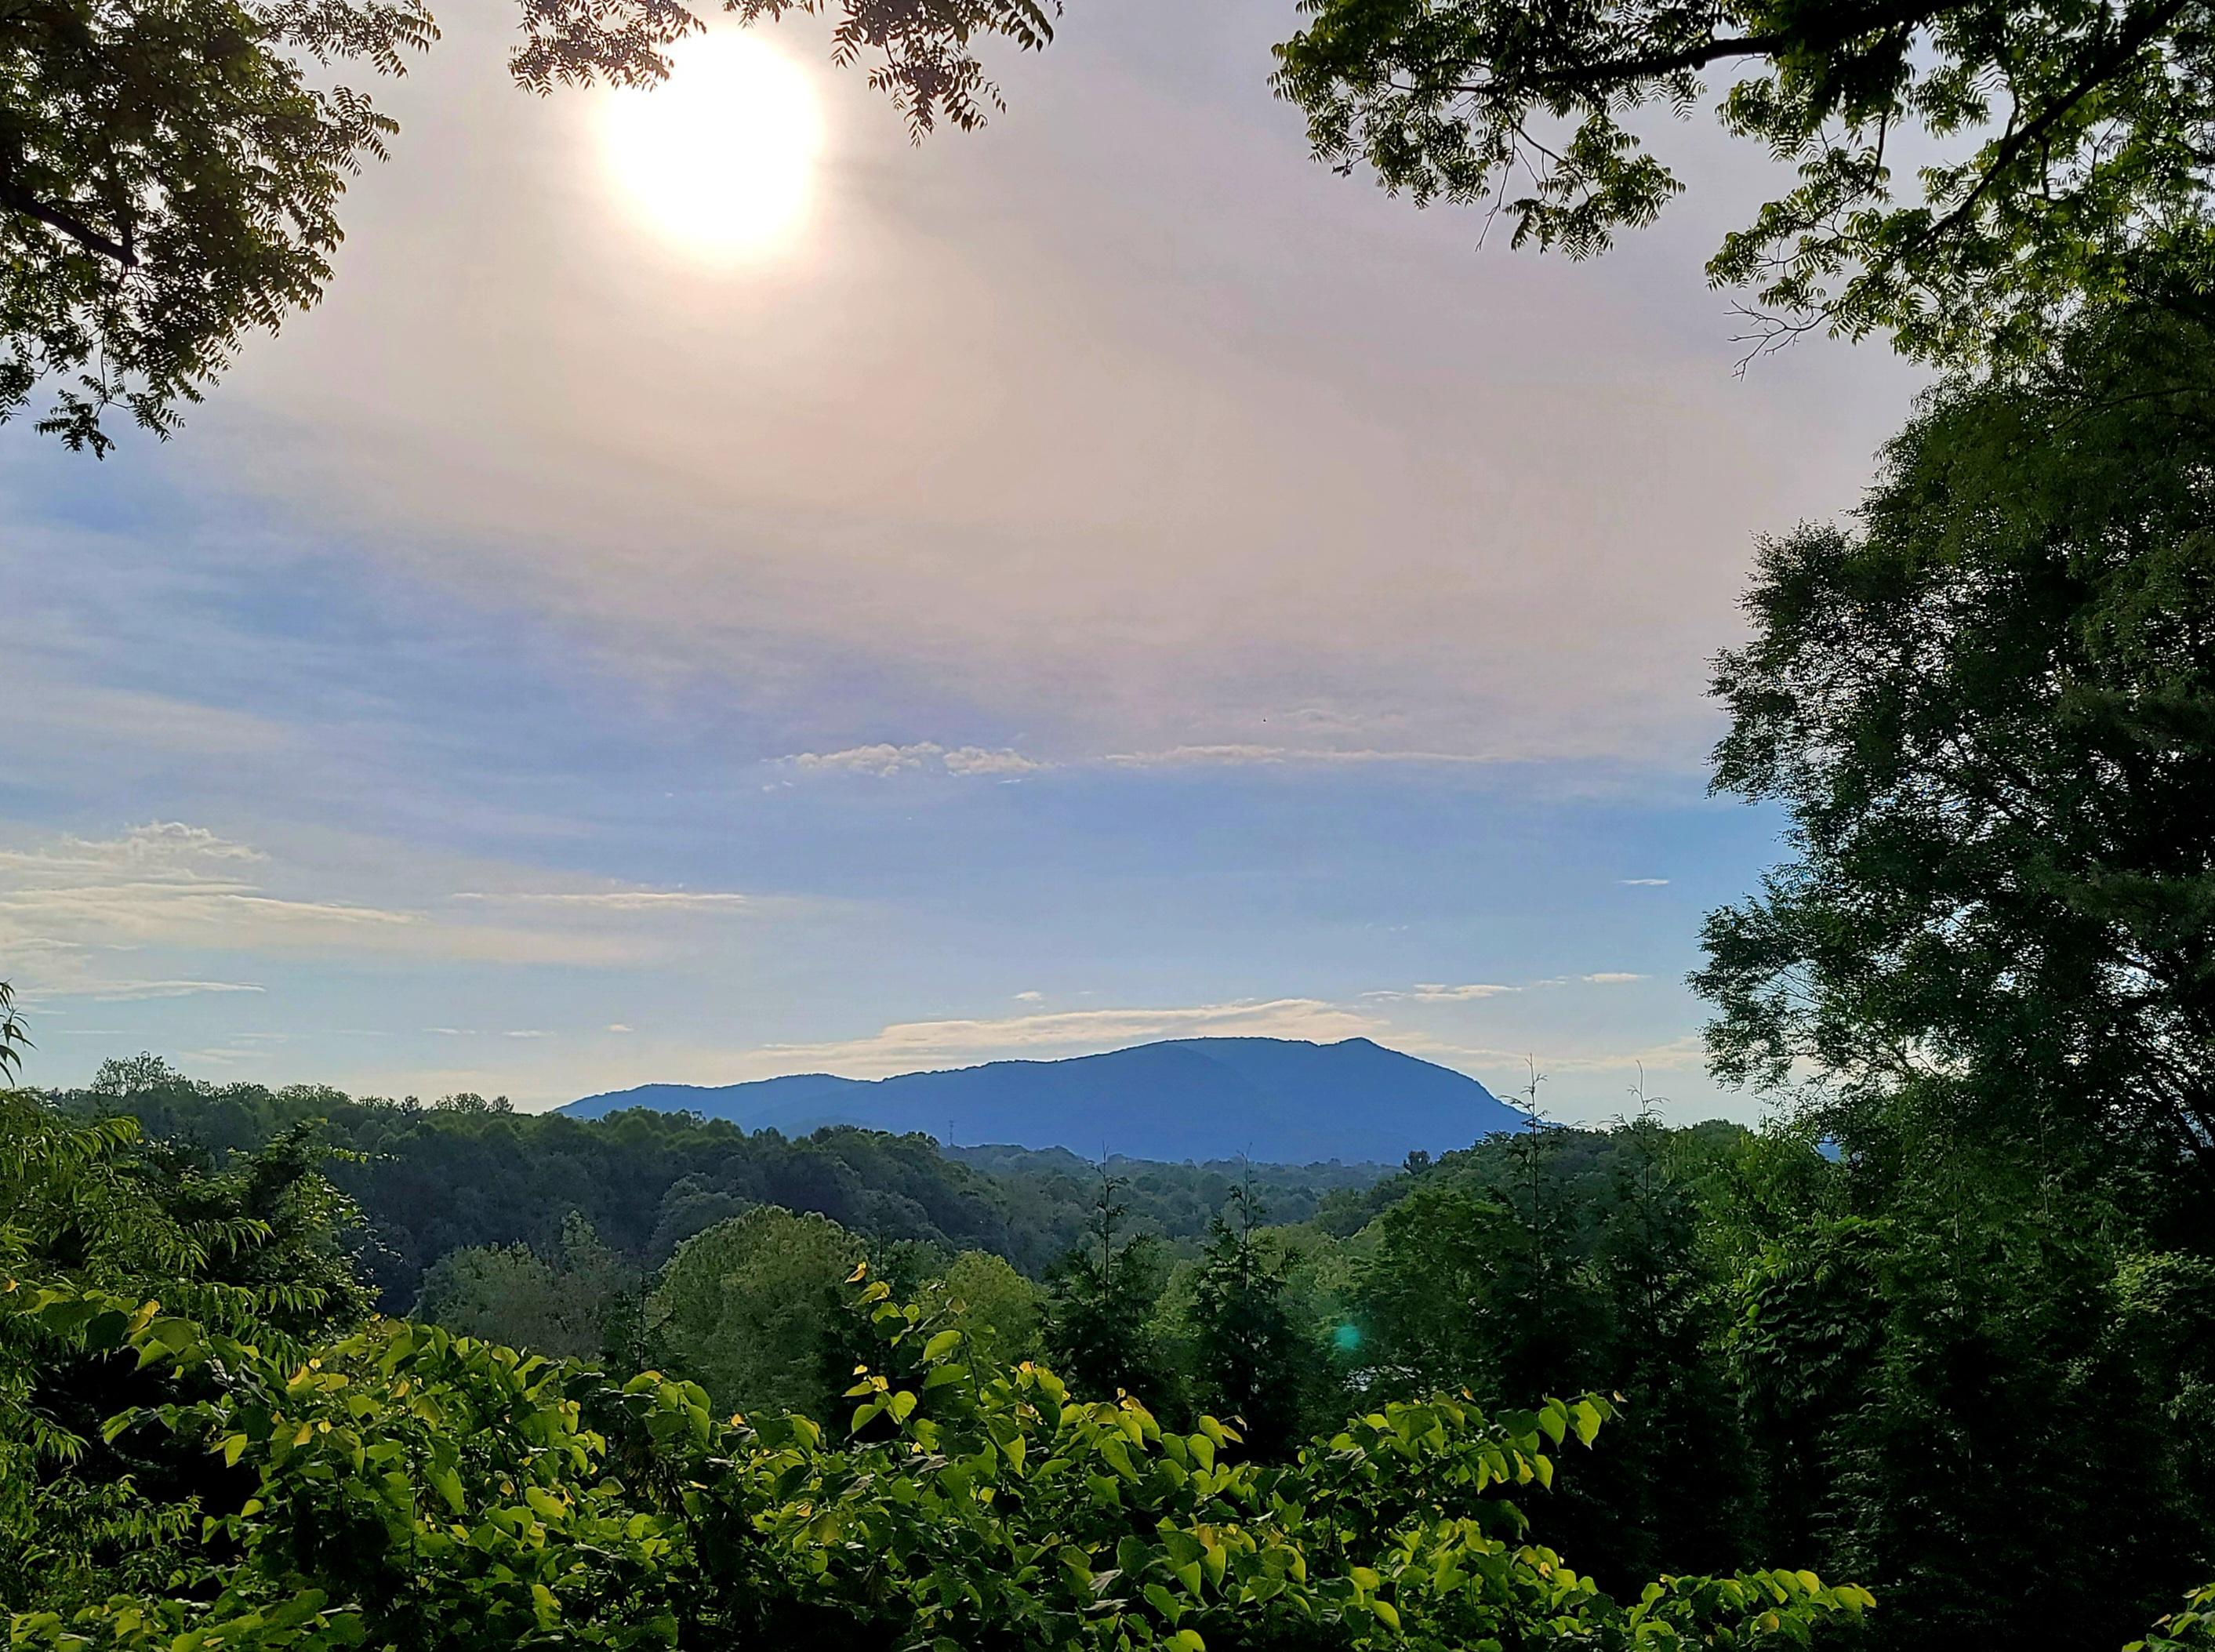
1274 1100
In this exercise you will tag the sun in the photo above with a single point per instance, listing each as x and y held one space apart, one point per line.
720 158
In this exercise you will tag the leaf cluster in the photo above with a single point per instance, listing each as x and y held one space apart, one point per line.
412 1488
1967 177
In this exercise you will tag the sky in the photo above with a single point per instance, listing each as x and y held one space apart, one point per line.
1101 578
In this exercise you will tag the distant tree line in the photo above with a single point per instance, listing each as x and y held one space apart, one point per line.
464 1172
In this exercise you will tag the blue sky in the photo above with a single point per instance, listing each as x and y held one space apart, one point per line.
1108 578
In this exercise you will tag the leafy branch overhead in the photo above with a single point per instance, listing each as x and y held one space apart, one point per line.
171 171
1968 176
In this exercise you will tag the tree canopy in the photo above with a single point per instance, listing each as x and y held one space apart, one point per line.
1933 1371
1968 176
392 1485
170 171
1989 709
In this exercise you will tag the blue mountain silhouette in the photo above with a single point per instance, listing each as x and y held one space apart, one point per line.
1273 1100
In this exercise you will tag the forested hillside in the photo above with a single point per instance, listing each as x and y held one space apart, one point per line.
464 1171
207 1444
1783 1358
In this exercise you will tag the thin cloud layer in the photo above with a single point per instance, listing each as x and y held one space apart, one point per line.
1187 505
1235 755
619 901
72 908
885 760
131 991
906 1046
1441 992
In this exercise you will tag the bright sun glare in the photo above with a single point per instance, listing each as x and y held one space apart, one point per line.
720 157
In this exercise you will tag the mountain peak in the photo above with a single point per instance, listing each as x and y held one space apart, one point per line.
1273 1100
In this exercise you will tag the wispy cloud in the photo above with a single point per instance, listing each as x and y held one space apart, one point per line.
1499 1064
906 1045
885 759
127 991
1643 883
619 901
164 882
171 895
1612 978
76 715
169 844
977 759
1441 992
1179 756
881 759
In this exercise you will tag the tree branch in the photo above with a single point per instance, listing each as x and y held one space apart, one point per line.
55 217
1906 14
2095 75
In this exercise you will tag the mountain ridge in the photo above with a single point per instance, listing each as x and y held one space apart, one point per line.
1275 1100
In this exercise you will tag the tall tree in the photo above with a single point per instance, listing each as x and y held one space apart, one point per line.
1099 1330
1988 974
579 1303
751 1310
1989 710
254 1247
1255 1361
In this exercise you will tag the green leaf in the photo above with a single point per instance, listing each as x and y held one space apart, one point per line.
1584 1418
447 1485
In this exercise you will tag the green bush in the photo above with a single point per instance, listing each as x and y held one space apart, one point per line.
404 1488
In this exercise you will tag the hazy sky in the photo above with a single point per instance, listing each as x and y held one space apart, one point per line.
1101 578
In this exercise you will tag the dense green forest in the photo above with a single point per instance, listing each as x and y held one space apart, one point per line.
1788 1351
465 1172
1927 1362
